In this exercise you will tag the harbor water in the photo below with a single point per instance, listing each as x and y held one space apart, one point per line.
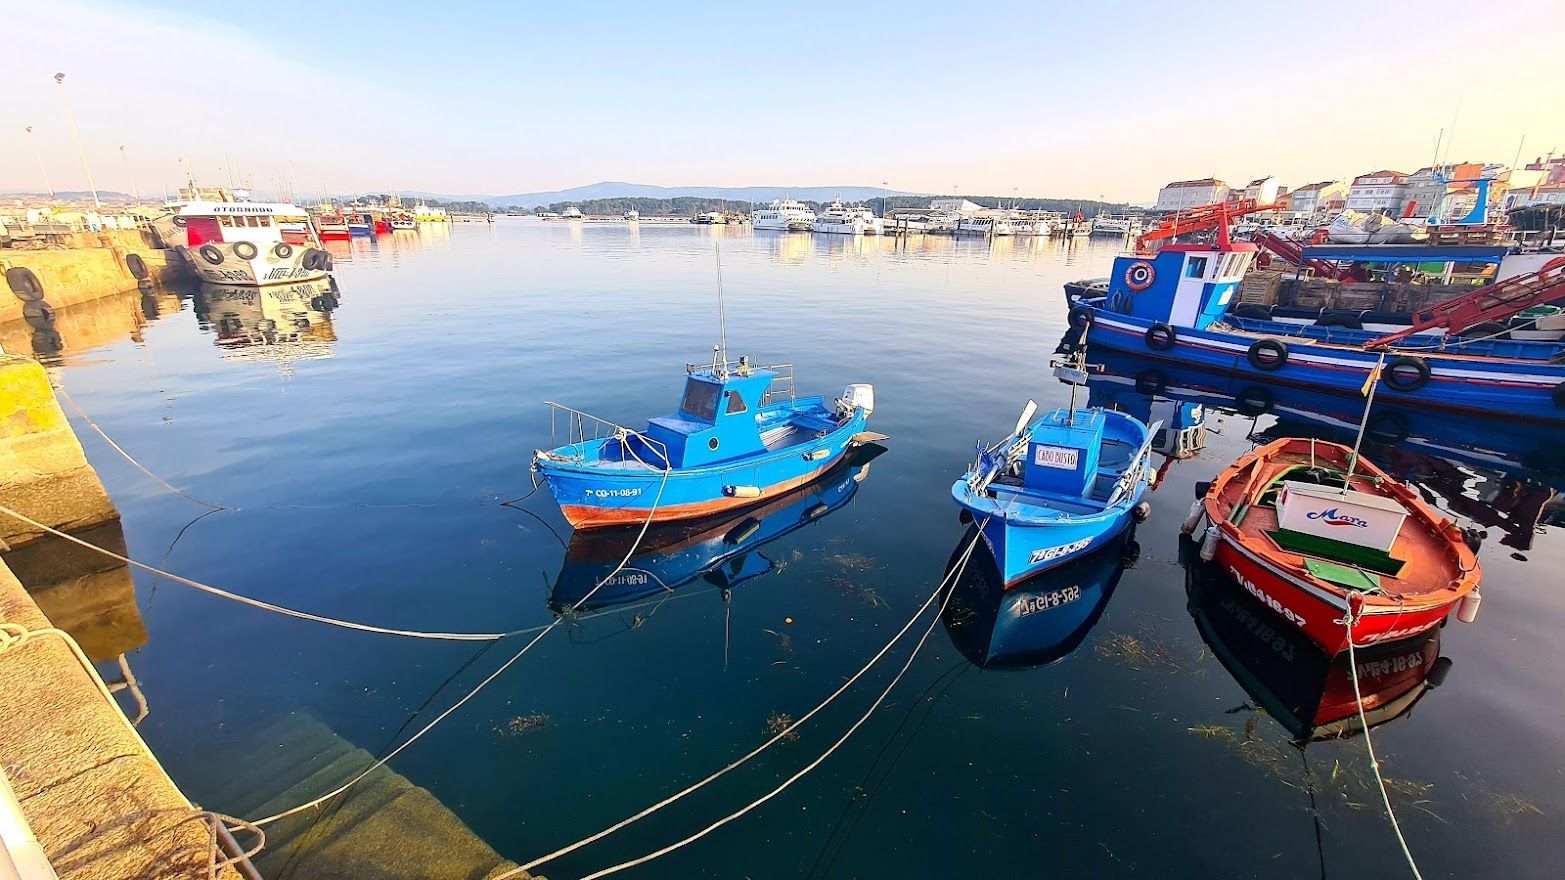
362 454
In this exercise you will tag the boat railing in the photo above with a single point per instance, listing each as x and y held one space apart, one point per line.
579 427
782 382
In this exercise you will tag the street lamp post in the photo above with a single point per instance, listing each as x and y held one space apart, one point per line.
135 191
41 169
883 185
70 118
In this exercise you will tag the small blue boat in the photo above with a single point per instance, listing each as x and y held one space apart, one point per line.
1059 487
738 437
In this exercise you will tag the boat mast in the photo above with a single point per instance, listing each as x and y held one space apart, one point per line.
721 365
1369 401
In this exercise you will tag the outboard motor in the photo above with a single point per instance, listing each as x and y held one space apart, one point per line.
857 396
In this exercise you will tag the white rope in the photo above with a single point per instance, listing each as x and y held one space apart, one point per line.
961 565
381 762
258 603
776 738
1374 762
64 395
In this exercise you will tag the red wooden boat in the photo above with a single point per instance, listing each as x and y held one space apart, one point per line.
1310 536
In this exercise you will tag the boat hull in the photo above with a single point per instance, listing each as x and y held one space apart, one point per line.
1514 388
601 498
1318 614
265 268
1022 550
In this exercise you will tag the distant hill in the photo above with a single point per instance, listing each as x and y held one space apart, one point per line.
620 190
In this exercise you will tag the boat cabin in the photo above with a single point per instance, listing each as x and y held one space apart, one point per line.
1183 285
726 414
259 222
1062 453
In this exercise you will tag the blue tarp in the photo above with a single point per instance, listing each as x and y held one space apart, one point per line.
1407 253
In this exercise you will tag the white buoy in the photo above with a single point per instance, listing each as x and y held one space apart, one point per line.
1193 519
1209 544
1467 611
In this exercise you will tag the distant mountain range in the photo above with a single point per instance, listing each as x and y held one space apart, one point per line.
614 189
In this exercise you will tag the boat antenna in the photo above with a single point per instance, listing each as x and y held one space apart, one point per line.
1370 385
722 318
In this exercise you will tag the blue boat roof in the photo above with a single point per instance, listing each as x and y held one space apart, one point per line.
1407 253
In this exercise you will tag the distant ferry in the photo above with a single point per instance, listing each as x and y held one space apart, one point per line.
1110 224
985 226
710 218
842 220
571 213
784 214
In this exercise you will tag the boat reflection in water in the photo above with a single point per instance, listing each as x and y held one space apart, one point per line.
1308 693
278 322
1484 473
1038 621
721 549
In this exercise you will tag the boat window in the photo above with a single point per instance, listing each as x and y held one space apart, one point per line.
735 403
700 399
225 220
266 221
1196 268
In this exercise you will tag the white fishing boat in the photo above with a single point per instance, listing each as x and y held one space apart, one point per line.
571 213
840 219
1115 224
246 243
429 214
1032 224
710 218
985 226
785 215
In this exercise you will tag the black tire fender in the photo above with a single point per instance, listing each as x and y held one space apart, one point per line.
1255 400
1080 317
1160 337
137 267
1269 354
1253 310
282 250
24 283
245 250
211 254
1388 426
1406 373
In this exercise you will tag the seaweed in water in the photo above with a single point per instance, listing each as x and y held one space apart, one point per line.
525 723
1144 653
777 722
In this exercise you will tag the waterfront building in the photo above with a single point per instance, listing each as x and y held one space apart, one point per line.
1317 200
1264 190
955 206
1383 192
1184 194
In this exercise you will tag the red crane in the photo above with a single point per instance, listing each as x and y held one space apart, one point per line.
1491 302
1292 253
1213 216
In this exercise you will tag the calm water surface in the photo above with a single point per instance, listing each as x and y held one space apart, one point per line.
367 461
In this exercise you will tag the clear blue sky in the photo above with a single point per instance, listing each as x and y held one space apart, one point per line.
1073 99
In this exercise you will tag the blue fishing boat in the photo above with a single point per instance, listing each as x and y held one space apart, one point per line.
724 550
739 436
1058 487
1174 305
1039 621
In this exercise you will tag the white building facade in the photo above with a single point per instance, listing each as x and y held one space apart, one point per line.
1382 192
1317 199
1185 194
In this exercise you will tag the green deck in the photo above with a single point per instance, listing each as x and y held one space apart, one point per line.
1342 552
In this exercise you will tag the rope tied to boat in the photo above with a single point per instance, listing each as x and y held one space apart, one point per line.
784 733
1352 617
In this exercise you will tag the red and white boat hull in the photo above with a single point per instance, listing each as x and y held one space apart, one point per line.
1321 614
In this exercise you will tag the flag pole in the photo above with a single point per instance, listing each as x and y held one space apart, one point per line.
1370 384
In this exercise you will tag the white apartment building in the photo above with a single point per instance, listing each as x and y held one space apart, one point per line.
1185 194
1383 192
1317 199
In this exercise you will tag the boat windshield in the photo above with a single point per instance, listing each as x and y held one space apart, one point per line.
700 399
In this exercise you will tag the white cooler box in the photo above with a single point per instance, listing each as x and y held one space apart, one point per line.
1355 517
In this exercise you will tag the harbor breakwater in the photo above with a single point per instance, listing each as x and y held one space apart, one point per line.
87 266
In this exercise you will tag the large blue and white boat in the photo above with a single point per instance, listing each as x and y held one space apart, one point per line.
1059 487
738 437
1174 305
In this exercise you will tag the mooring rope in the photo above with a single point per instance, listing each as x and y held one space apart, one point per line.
957 570
66 396
264 605
1369 744
381 762
776 738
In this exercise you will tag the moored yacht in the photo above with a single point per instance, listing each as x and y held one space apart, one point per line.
783 214
844 220
1111 224
985 226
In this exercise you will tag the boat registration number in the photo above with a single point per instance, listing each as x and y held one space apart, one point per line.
613 493
1032 604
1055 457
1048 553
